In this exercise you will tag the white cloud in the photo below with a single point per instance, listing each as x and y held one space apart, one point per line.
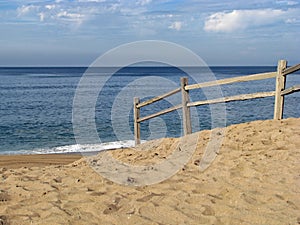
95 12
143 2
42 16
177 25
50 7
242 19
293 21
27 9
287 2
52 12
77 17
91 0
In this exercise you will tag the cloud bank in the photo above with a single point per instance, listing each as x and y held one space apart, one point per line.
242 19
177 25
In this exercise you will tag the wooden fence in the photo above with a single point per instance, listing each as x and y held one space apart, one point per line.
279 93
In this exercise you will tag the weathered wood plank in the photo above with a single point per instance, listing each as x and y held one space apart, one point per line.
155 99
259 76
233 98
159 113
280 86
186 114
291 69
137 129
291 90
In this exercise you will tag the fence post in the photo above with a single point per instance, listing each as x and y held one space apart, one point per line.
187 127
136 114
280 86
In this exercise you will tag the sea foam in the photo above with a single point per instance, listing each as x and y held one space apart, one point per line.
77 148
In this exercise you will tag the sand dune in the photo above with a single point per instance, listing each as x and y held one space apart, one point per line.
254 179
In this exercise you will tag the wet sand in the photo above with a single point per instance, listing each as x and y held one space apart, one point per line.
18 161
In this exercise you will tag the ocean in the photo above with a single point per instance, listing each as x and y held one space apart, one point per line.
37 103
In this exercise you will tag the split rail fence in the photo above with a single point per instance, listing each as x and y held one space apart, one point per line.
279 93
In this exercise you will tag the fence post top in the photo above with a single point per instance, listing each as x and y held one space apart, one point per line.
282 63
184 81
183 78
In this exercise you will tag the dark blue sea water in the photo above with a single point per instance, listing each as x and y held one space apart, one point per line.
36 105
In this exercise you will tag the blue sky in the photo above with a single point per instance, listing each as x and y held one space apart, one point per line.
76 32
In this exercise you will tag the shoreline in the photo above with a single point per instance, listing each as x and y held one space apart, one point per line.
16 161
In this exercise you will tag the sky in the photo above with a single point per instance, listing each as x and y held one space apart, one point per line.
76 32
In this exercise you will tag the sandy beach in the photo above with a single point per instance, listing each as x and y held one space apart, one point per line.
254 179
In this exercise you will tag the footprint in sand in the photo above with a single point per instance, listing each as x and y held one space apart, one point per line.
111 208
3 220
4 197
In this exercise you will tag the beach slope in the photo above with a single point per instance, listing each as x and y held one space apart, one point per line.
254 179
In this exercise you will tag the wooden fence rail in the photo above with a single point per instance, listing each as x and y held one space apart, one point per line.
158 98
259 76
279 93
291 90
233 98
